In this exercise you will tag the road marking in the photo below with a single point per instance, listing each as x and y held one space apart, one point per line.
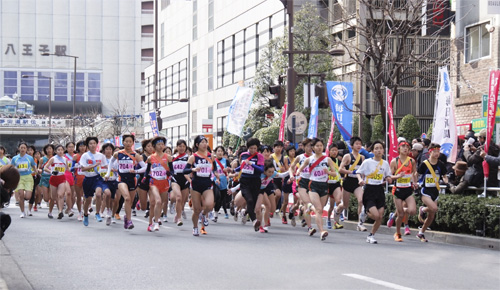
379 282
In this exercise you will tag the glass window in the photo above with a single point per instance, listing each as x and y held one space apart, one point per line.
43 87
80 87
27 86
61 87
94 87
477 42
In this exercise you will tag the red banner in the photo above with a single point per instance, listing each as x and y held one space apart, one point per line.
393 138
492 110
330 139
282 125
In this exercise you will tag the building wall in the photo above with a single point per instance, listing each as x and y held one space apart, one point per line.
105 35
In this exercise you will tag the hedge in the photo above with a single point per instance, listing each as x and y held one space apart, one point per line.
457 214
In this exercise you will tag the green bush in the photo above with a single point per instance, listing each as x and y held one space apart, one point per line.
457 214
378 129
429 132
367 128
268 135
409 128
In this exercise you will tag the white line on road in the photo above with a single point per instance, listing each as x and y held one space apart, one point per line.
379 282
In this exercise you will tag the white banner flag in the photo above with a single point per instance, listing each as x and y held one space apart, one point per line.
444 130
238 111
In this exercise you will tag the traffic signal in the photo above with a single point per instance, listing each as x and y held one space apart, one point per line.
320 92
278 100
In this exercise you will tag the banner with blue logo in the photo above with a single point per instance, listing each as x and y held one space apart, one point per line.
154 124
312 132
340 98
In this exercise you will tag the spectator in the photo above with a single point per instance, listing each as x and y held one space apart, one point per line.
456 181
474 157
416 151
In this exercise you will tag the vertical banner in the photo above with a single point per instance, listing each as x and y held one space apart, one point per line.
117 141
312 132
238 111
153 122
340 98
444 130
282 124
393 139
330 139
492 106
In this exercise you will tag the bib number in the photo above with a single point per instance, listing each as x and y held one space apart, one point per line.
376 179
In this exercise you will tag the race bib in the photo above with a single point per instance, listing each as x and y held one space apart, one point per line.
22 167
159 173
60 169
125 166
376 179
247 169
205 170
429 180
404 181
179 166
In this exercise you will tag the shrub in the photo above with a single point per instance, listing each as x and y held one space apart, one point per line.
267 135
409 128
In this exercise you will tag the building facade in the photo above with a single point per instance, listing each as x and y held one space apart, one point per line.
111 39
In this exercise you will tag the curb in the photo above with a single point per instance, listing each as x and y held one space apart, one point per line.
439 237
10 273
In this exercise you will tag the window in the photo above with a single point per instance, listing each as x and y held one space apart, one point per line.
195 19
210 112
10 83
210 15
61 87
80 87
477 42
27 86
94 84
194 79
211 68
43 86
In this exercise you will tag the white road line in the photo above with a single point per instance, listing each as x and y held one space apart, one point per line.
379 282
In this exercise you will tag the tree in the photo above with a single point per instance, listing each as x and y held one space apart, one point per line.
385 48
378 132
429 131
409 128
366 127
268 135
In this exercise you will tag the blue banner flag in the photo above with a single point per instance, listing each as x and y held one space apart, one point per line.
312 132
340 98
154 124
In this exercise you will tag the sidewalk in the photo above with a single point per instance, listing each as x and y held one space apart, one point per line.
10 273
437 237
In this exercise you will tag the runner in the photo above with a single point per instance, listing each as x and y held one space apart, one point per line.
26 165
371 175
143 187
318 165
431 172
81 148
3 159
70 178
48 150
202 196
281 165
159 171
289 186
220 190
404 169
128 159
180 182
109 186
350 163
57 166
303 184
90 163
334 187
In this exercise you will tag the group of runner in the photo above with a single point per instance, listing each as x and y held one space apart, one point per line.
253 186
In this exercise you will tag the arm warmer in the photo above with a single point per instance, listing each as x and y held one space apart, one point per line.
143 167
187 169
113 159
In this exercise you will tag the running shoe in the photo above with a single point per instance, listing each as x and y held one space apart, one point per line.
231 210
86 221
422 237
390 222
271 215
291 212
117 217
50 215
156 227
266 228
23 215
311 231
134 213
196 232
421 215
71 213
342 216
329 224
293 221
130 225
125 222
98 217
202 231
407 230
211 215
304 223
179 222
35 208
165 218
371 239
337 226
204 220
150 228
309 208
138 205
146 214
283 220
80 217
256 225
226 216
243 216
171 207
108 220
397 237
91 209
183 215
323 235
60 215
261 230
159 222
361 227
29 213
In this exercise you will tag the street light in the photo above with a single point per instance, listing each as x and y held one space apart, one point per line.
50 99
74 86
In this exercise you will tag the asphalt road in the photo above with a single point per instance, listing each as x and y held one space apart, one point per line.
40 253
